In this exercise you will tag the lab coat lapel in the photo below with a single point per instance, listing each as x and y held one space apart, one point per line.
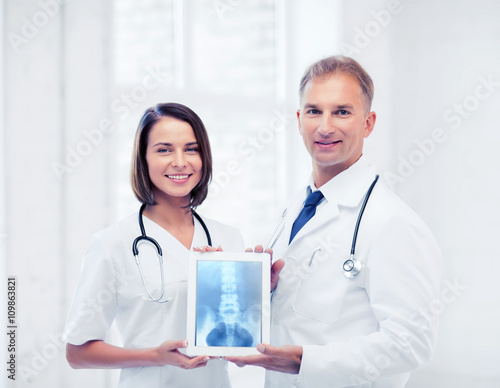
172 248
347 190
292 211
326 214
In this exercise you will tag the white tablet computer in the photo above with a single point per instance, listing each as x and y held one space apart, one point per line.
228 303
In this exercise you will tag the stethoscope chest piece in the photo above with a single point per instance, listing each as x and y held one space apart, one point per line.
352 267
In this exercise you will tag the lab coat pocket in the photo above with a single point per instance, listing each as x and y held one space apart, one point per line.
321 288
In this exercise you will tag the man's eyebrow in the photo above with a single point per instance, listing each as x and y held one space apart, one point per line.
337 107
344 106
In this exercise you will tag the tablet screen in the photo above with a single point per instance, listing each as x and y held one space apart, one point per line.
227 301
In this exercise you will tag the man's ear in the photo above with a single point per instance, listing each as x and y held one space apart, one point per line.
371 117
298 120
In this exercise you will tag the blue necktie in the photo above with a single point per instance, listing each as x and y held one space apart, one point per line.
307 212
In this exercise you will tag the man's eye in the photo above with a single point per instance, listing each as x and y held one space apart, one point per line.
343 112
313 111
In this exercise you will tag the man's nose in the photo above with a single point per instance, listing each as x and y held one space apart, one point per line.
327 125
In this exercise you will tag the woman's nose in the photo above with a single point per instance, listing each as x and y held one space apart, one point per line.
179 160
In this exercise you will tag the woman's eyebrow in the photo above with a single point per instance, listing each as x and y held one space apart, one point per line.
163 144
171 145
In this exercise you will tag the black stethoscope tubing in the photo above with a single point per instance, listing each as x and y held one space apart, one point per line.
144 236
358 222
352 266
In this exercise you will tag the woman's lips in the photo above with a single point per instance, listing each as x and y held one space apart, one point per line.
178 178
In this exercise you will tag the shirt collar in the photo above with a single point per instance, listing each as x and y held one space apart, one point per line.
349 187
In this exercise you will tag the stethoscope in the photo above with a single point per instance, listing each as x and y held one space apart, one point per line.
145 237
351 266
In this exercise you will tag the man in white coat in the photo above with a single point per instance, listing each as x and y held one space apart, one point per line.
373 328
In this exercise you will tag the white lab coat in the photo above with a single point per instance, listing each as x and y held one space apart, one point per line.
369 331
110 289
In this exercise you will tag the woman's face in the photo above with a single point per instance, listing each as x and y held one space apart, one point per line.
174 160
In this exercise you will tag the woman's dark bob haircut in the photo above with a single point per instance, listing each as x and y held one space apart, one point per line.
141 183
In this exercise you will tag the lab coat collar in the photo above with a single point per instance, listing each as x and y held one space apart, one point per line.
349 187
345 189
170 245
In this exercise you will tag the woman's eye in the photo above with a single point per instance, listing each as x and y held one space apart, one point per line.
163 150
192 150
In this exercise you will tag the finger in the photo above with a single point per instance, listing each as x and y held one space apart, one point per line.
206 248
275 272
200 365
235 361
277 266
249 250
219 249
288 351
276 351
270 251
198 361
242 361
259 249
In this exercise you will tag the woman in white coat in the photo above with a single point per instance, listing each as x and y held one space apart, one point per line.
171 169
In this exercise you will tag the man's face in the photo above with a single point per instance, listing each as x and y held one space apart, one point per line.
333 121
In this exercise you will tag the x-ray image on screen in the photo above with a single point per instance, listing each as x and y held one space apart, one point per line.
229 297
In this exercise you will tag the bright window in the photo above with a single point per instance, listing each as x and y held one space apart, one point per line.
220 59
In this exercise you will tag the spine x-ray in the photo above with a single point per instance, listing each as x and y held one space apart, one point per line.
228 303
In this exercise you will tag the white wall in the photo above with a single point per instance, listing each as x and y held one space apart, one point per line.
55 88
429 61
428 58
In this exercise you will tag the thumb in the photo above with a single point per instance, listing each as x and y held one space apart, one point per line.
178 344
287 351
278 265
262 348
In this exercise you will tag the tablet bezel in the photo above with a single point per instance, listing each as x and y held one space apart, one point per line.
194 258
